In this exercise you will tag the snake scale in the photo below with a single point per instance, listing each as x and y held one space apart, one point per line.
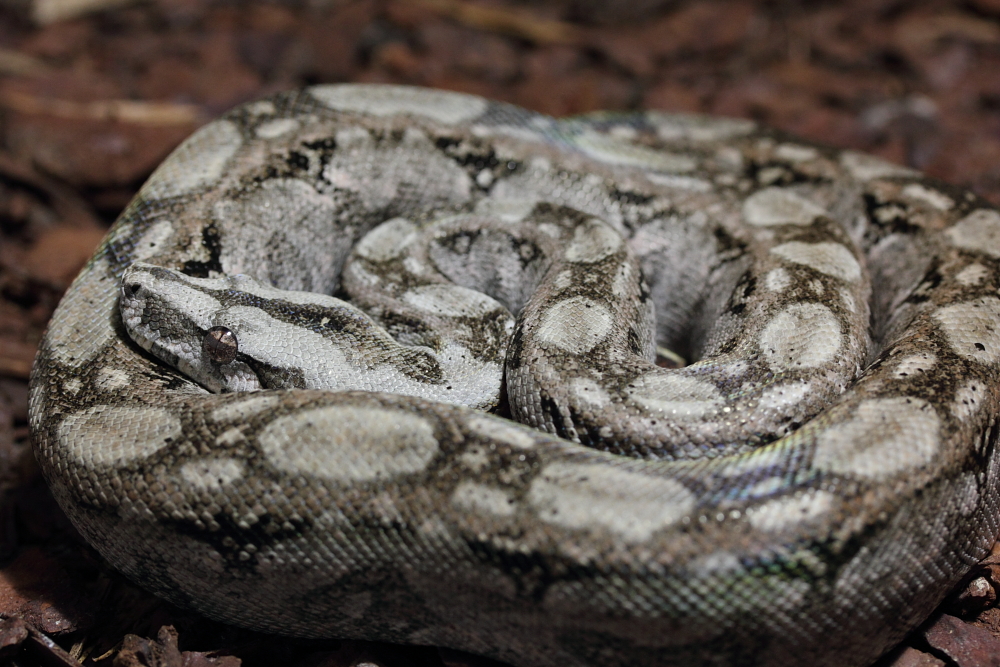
238 441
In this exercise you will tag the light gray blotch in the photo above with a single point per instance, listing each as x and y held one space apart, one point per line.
880 438
76 340
933 198
694 127
273 129
969 399
782 396
778 206
480 498
973 328
614 151
680 182
795 153
155 239
349 444
211 474
496 429
791 511
777 280
592 241
913 364
972 275
242 411
803 335
833 259
977 232
450 301
866 167
582 496
675 396
196 163
576 324
105 435
112 379
385 100
589 392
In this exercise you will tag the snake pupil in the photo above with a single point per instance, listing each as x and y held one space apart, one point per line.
220 345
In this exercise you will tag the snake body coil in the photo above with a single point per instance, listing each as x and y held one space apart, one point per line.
803 494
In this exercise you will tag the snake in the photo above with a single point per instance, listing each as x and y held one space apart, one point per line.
388 363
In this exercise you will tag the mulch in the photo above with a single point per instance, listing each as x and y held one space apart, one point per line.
91 102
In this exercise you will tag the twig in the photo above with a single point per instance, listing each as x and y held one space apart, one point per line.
50 11
506 21
20 64
125 111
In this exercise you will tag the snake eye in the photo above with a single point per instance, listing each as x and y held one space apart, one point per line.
220 345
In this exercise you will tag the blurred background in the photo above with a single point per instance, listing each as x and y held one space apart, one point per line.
94 93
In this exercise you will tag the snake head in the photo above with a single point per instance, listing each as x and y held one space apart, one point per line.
176 318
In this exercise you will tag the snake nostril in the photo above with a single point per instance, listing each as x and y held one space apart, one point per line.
133 288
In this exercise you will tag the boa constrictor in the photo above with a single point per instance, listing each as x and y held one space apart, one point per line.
803 494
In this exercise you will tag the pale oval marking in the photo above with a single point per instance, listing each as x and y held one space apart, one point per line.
480 498
694 127
972 275
349 443
387 241
615 151
273 129
833 259
230 437
105 435
589 392
782 396
112 379
582 496
242 411
934 198
973 328
451 301
198 162
866 167
675 396
777 280
592 241
509 433
563 280
795 153
384 100
849 303
680 182
475 458
576 324
624 279
155 240
75 340
880 438
803 335
914 364
212 474
977 232
969 400
778 206
787 513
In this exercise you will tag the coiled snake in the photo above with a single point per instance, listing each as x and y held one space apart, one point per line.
802 494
